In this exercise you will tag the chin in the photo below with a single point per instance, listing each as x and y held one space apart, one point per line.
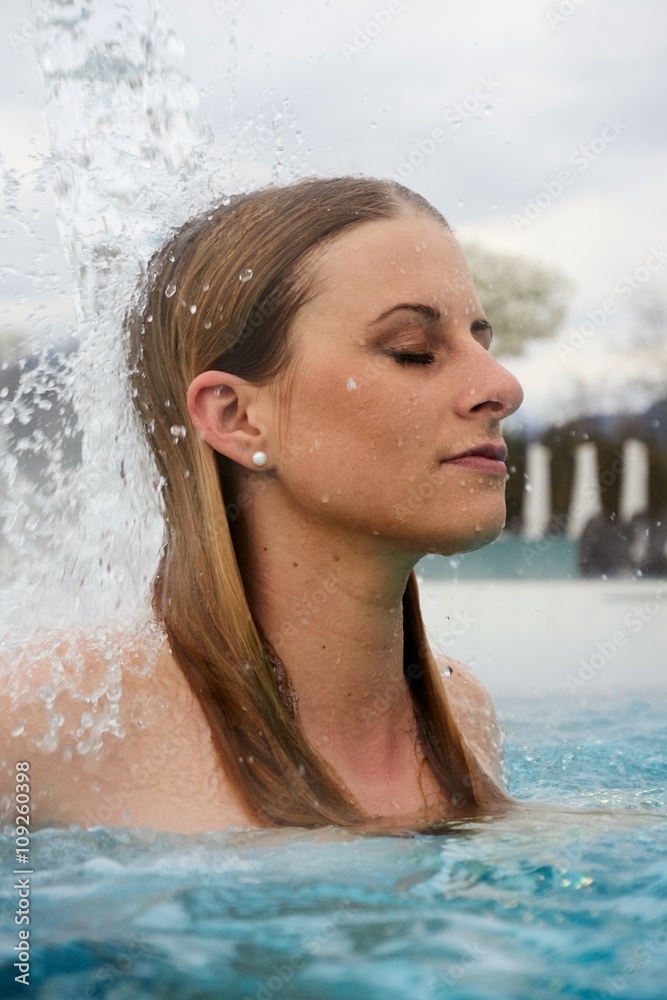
475 536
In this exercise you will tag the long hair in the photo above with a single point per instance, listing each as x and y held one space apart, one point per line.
198 313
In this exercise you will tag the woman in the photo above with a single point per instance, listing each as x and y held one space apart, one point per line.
311 368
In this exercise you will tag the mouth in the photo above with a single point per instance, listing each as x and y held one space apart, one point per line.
484 457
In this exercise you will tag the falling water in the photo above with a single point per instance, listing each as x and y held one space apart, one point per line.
129 161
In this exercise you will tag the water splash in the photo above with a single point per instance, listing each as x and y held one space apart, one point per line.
128 162
125 149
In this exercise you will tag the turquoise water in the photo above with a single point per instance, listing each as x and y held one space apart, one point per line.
566 896
509 558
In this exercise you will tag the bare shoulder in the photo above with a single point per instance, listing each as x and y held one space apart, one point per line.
112 733
475 714
65 699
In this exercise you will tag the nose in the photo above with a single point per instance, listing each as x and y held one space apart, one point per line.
491 388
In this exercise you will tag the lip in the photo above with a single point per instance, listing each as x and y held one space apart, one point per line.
483 458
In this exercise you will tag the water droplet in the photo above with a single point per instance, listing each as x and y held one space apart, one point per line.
528 488
207 324
193 309
325 498
178 432
246 275
351 384
206 287
473 392
170 290
374 124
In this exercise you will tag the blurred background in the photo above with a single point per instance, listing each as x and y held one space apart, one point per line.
535 127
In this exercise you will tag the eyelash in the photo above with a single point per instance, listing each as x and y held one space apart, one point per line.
407 357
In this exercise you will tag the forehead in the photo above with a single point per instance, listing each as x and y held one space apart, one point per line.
377 264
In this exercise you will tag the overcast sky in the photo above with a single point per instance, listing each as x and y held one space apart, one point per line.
535 127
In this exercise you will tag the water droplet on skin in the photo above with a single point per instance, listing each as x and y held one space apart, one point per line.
473 392
481 479
325 498
351 384
462 482
246 275
170 290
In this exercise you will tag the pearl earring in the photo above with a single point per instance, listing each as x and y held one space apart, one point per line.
259 458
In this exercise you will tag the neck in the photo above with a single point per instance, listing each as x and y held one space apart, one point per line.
331 606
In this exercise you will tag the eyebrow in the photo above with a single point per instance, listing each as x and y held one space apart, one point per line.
426 313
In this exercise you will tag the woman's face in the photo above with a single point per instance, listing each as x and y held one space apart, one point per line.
392 381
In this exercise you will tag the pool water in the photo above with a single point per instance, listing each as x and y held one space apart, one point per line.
565 896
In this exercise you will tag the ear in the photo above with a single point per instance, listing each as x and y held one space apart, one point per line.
224 410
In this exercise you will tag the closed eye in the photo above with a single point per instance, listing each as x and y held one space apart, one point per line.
408 357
